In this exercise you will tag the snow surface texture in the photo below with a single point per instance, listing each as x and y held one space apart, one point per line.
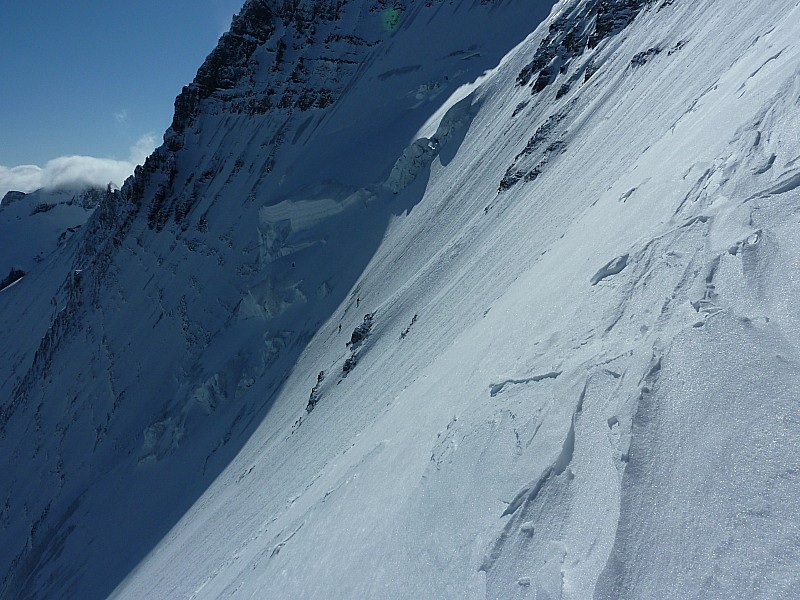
561 244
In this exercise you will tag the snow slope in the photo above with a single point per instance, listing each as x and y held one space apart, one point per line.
579 374
37 231
32 226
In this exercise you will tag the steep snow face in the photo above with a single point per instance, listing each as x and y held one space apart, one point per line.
496 311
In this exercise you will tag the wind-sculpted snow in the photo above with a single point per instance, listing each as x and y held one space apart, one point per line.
312 351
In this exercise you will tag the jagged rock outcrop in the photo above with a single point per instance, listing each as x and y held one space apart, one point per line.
580 27
14 275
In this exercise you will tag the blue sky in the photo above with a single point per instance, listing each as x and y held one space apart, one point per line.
97 78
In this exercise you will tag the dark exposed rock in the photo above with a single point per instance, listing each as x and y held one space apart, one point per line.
91 198
42 207
542 134
511 178
519 108
591 69
349 364
612 17
542 81
642 58
228 63
407 330
677 47
578 29
359 335
361 332
315 392
13 276
11 197
231 63
537 153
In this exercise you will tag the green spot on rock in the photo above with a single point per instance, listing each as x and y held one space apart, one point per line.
391 18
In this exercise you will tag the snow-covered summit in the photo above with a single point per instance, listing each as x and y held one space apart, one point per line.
453 298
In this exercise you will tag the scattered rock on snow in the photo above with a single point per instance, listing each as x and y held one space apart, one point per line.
404 333
358 336
361 332
315 393
642 58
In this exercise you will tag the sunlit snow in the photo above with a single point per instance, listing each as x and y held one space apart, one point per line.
446 337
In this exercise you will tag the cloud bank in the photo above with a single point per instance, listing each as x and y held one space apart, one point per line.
67 172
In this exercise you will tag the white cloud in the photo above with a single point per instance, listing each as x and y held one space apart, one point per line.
143 147
121 117
75 171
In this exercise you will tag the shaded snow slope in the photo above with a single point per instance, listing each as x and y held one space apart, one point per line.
33 226
578 372
39 236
